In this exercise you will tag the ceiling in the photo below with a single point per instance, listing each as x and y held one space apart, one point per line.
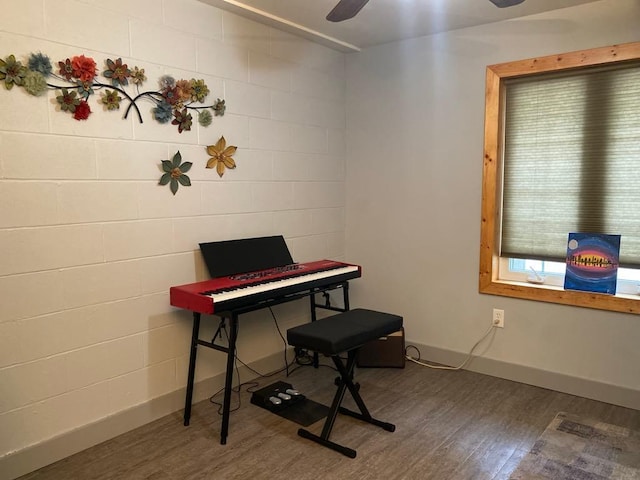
381 21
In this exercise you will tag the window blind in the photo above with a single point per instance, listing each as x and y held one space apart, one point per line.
571 162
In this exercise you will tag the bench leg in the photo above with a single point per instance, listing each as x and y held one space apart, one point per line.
346 382
325 442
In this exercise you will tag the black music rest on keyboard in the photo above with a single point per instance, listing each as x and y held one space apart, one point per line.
232 257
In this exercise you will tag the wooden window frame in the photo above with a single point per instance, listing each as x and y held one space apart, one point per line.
492 188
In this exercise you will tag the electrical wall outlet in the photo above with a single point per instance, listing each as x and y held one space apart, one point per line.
498 318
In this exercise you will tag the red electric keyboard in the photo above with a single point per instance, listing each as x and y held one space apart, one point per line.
250 274
252 288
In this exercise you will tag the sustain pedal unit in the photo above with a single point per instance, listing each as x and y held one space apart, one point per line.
276 397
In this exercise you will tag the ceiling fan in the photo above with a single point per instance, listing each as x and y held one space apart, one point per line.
346 9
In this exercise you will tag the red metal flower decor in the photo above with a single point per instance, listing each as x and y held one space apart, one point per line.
174 100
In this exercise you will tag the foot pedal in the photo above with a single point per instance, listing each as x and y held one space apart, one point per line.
277 396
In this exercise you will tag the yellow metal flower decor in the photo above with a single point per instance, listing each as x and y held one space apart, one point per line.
221 156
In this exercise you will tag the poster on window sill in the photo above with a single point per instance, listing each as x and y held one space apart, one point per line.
592 262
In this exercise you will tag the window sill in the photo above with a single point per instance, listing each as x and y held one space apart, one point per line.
554 294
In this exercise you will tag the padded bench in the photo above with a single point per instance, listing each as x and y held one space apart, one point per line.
333 336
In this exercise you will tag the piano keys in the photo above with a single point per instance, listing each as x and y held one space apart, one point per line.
252 288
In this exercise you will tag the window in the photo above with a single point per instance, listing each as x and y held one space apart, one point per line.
562 153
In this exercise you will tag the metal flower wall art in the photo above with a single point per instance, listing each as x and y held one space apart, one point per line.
174 173
77 79
174 170
221 156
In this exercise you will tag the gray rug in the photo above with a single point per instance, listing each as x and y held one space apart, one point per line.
575 448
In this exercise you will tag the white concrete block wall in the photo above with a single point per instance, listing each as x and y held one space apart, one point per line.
91 244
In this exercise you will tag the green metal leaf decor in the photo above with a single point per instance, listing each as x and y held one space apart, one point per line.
174 173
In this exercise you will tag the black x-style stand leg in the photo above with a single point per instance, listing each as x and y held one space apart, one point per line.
228 382
346 382
192 367
230 350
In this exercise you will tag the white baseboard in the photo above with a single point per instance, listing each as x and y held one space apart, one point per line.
36 456
603 392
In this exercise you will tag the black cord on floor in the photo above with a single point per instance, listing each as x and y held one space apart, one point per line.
406 351
302 359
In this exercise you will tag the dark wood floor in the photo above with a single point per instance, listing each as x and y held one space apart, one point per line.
449 425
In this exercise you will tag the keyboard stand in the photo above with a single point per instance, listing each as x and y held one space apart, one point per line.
230 350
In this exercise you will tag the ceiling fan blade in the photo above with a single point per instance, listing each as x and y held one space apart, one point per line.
346 9
505 3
